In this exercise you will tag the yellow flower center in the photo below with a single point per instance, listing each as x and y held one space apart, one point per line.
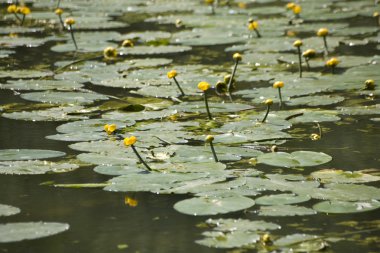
278 84
310 53
204 86
297 9
130 141
171 74
209 138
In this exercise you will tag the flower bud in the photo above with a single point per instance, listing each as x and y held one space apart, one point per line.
209 138
171 74
130 141
69 21
278 84
204 86
297 43
268 102
237 57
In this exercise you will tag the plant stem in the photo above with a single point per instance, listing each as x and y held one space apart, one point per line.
320 130
307 63
58 4
23 19
179 87
279 95
61 21
332 70
72 36
206 103
299 61
325 44
257 33
140 158
17 17
266 114
213 152
232 77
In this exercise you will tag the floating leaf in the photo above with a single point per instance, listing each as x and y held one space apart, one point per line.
28 154
232 225
151 50
35 167
282 199
213 205
40 85
228 240
295 159
346 207
285 210
341 176
15 232
52 97
6 210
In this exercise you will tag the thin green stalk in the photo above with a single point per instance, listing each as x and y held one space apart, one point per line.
325 44
61 21
23 19
232 77
279 95
179 87
307 63
72 36
17 17
140 158
213 152
58 4
266 114
257 33
207 107
299 61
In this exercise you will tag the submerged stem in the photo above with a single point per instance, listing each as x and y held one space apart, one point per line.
307 63
140 158
179 87
23 19
257 33
61 21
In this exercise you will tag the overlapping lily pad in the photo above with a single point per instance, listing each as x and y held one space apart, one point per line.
28 154
295 159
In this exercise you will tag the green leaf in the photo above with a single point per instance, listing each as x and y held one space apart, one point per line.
6 210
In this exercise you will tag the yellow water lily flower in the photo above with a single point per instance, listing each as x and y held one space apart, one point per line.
69 21
369 84
130 201
129 141
58 11
310 53
322 32
290 6
12 8
203 86
24 10
333 62
237 57
110 129
253 25
297 43
268 102
278 84
110 53
209 138
297 9
127 43
171 74
315 137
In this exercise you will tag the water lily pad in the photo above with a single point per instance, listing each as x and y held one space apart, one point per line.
154 182
15 232
285 210
28 154
341 176
315 100
295 159
232 225
152 50
35 167
213 205
346 207
92 125
76 98
63 113
294 239
40 85
282 199
17 74
6 210
228 240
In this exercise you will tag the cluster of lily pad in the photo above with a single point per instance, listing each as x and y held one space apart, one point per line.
167 132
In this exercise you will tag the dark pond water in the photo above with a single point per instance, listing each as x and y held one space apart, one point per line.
100 221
